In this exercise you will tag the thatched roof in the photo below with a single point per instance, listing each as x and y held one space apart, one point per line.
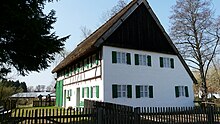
97 38
87 45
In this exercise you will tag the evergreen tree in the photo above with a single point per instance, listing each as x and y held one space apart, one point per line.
26 40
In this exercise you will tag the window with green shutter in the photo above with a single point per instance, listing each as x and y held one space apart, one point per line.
91 92
144 91
137 91
114 91
177 91
87 92
181 91
166 62
136 57
128 55
161 62
129 91
97 91
186 91
114 57
150 91
82 92
149 60
172 62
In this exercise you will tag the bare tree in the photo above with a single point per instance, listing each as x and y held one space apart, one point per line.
114 10
42 87
30 88
85 31
196 33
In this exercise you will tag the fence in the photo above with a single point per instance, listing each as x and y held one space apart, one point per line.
8 104
41 103
108 113
53 116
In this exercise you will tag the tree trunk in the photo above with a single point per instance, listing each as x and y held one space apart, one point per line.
203 85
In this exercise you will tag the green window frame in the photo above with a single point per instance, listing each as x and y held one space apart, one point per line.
114 91
114 57
129 91
128 55
161 62
149 60
171 62
97 91
186 91
91 92
87 92
136 57
83 92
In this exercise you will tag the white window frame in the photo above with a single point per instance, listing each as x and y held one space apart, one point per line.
121 57
94 92
166 62
143 59
122 91
85 92
181 91
144 91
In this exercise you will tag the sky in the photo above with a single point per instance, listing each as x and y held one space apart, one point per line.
74 14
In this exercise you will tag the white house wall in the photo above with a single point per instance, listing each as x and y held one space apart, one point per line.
163 80
87 78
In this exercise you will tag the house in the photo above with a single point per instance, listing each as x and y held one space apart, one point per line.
129 60
33 95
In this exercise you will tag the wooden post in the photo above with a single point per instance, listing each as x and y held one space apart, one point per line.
136 115
99 115
210 115
36 115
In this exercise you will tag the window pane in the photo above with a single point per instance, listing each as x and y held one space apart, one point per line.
123 58
124 94
144 60
119 94
140 59
123 87
145 88
141 88
141 94
146 94
118 57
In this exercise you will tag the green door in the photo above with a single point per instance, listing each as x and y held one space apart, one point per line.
59 93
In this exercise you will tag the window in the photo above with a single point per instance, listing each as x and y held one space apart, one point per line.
69 94
181 91
142 59
85 92
85 64
121 91
166 62
144 91
121 57
94 92
93 60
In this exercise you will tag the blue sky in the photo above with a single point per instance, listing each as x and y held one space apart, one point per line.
72 15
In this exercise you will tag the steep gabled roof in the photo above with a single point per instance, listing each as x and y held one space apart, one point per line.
97 38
